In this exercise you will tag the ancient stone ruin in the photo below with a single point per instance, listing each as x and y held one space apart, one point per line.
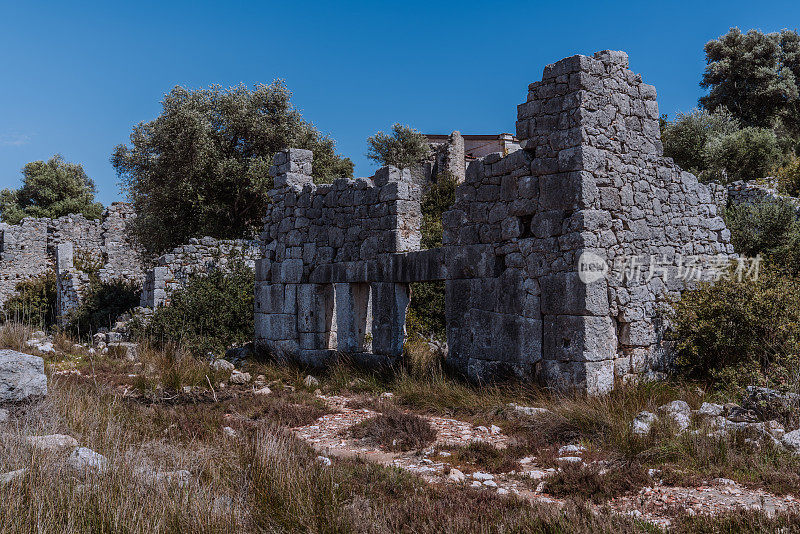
555 257
29 249
73 246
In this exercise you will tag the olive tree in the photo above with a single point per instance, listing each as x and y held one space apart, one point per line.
402 148
201 167
50 188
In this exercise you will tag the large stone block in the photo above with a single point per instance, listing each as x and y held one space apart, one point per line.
314 308
389 306
579 338
471 261
352 302
565 294
288 271
21 376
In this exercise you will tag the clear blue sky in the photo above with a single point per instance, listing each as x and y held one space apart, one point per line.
76 76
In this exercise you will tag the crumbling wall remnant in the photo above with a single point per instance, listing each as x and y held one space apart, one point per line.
172 271
30 249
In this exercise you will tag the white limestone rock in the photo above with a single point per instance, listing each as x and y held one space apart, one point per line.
85 459
710 409
456 476
11 476
222 365
643 422
52 442
238 377
21 376
791 440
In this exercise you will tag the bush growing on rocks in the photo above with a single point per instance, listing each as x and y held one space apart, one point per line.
101 306
34 302
769 228
396 430
209 314
739 333
788 176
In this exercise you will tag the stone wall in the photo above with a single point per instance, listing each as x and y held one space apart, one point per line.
544 249
200 256
590 188
309 231
29 249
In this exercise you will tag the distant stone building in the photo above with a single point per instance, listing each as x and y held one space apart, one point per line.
453 153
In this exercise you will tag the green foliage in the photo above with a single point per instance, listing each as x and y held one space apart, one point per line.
714 147
761 227
686 138
50 189
439 197
102 304
742 155
201 167
788 176
755 76
426 316
208 315
402 148
736 333
34 303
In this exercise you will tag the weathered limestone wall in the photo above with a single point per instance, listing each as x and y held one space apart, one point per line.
29 249
200 256
555 257
591 180
318 240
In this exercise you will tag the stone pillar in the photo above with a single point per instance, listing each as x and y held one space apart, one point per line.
454 163
389 306
352 303
154 292
70 283
292 168
64 257
314 316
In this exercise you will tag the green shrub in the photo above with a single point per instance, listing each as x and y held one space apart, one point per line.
715 147
209 314
761 227
788 176
769 228
742 155
686 137
440 195
34 302
102 304
736 333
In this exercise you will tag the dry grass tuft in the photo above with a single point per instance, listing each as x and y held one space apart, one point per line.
14 335
396 430
597 484
486 457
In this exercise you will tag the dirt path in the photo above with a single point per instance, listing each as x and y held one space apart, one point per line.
656 504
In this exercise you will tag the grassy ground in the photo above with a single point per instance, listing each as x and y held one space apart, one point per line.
264 480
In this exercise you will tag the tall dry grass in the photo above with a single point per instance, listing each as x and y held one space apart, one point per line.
13 335
51 497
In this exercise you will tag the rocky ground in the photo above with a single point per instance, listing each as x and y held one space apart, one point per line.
657 502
